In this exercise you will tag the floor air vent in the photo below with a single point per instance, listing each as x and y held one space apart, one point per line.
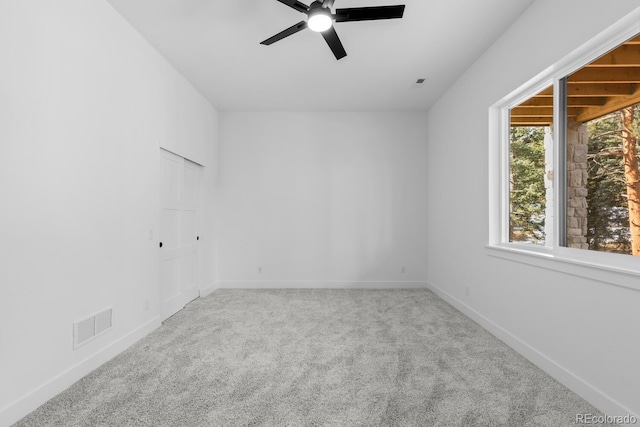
91 327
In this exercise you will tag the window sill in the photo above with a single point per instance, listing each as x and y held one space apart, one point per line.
612 269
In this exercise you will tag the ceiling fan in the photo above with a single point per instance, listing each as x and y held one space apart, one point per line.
320 19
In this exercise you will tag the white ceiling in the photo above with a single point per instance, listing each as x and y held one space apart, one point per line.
215 45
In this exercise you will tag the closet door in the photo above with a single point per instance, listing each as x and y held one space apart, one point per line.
189 230
179 195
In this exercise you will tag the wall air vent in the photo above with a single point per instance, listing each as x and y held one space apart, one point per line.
91 327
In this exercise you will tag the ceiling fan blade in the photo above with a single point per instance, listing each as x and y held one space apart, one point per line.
286 33
369 13
300 7
334 43
328 3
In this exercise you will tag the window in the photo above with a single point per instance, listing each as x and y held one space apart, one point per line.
530 168
603 185
569 173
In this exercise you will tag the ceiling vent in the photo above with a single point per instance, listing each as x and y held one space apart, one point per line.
420 83
91 327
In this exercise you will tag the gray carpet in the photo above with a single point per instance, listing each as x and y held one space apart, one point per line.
316 358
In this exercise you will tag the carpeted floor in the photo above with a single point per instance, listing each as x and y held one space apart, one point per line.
316 358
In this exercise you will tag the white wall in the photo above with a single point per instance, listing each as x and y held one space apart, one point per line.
584 332
322 199
84 102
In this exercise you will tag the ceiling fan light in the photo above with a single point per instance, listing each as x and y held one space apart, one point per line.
319 21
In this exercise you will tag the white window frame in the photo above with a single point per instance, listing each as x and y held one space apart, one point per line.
616 269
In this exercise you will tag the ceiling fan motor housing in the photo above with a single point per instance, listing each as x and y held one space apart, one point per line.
320 18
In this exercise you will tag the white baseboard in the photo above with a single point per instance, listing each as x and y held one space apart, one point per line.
588 392
208 289
317 284
26 404
32 400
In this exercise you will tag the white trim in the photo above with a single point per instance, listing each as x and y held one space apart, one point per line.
610 38
319 284
609 268
494 162
581 387
616 34
575 262
26 404
208 290
174 152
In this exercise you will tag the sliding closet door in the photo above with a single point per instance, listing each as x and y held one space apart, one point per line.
179 195
189 230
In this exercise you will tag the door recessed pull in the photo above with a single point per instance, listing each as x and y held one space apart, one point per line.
160 244
198 238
